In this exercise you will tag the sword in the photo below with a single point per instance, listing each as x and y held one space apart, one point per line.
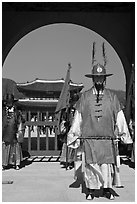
117 162
96 138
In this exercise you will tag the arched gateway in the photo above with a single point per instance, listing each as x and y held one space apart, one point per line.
114 21
38 107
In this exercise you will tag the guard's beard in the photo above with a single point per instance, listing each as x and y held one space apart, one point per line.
99 87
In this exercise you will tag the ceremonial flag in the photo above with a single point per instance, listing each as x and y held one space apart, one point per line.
63 101
64 98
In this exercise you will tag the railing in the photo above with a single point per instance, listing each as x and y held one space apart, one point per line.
41 138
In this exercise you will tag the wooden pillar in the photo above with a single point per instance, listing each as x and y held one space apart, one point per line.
47 139
25 114
38 132
47 115
29 115
40 116
56 142
29 133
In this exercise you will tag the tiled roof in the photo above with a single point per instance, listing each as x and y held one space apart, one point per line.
47 85
37 103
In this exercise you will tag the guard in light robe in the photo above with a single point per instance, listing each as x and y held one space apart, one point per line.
11 149
98 122
66 158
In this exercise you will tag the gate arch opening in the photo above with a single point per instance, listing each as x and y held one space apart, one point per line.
107 19
76 39
64 43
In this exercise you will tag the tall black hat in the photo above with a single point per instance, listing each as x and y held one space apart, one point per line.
98 69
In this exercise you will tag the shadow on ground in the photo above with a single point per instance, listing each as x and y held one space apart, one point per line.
128 162
24 163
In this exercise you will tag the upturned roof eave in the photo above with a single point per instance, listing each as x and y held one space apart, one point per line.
48 81
37 103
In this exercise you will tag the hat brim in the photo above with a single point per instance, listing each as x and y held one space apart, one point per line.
91 75
15 100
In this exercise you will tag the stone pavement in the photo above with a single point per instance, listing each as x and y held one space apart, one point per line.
48 182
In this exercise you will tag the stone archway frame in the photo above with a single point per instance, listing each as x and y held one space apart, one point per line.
115 24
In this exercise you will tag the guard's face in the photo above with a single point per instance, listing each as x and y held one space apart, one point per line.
9 110
9 104
98 79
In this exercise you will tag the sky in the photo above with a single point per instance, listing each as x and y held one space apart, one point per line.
45 53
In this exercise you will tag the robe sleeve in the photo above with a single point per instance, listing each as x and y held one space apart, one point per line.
62 127
123 128
75 131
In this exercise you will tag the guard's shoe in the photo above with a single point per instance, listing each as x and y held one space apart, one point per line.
108 194
89 196
3 168
71 166
112 197
63 163
17 167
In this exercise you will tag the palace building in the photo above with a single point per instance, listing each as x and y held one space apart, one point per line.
38 107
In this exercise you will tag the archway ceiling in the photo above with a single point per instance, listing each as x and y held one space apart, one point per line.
113 21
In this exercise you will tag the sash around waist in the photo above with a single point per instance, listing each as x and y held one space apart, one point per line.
97 137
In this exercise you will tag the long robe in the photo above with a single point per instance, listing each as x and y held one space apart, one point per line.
66 151
11 149
97 123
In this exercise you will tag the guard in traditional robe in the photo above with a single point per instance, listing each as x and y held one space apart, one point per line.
98 122
67 153
132 132
11 149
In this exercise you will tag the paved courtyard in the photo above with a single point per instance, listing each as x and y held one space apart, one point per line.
48 182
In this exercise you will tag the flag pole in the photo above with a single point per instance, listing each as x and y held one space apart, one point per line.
63 103
67 129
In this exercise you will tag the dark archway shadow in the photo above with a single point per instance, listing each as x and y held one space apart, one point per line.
79 182
15 28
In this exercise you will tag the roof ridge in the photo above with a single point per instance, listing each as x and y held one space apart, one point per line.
47 81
